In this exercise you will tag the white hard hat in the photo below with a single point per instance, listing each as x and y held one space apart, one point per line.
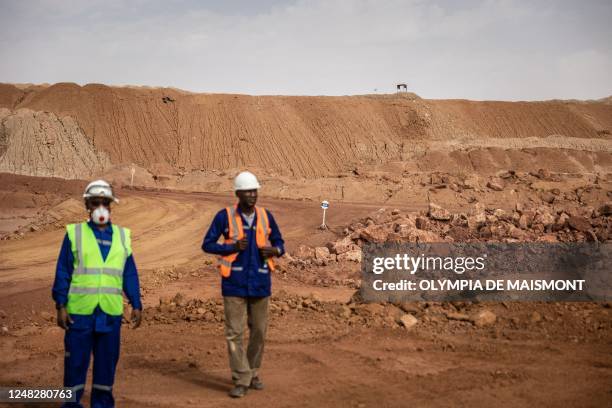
99 188
246 181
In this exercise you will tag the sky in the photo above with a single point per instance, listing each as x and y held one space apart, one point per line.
472 49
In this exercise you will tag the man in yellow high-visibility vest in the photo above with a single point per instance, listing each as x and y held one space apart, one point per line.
95 267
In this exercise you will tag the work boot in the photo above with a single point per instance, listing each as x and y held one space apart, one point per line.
256 384
238 391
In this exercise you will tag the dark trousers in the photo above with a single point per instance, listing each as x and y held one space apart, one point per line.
80 344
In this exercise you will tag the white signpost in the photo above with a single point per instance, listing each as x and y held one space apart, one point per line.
324 206
132 171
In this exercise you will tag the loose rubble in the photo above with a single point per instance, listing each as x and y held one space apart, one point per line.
526 223
430 316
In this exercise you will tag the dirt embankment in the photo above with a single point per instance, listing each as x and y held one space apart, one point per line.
180 138
43 144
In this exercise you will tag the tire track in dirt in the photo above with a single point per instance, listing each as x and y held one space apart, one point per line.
167 230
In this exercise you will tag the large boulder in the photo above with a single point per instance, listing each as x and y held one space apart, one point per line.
408 321
579 223
606 209
459 234
496 184
561 221
602 234
459 220
502 214
304 252
523 222
404 230
339 247
548 197
322 253
483 318
457 316
515 232
421 223
499 230
354 255
438 213
476 221
544 217
374 233
381 216
477 217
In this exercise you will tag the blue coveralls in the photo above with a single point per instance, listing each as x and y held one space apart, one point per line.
253 278
98 333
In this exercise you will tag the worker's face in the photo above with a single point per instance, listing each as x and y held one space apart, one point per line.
96 202
247 198
99 210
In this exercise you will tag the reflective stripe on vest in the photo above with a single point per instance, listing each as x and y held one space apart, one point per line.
236 232
97 281
263 232
98 271
93 291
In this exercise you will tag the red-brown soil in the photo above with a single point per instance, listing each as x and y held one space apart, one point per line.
506 171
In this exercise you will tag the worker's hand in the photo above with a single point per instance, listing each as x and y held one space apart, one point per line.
136 318
63 318
241 245
269 251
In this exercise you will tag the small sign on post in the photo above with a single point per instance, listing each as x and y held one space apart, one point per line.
324 206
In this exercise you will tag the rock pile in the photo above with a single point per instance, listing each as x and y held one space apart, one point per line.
526 223
179 307
353 313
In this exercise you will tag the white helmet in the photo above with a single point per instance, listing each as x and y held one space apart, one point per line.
246 181
99 188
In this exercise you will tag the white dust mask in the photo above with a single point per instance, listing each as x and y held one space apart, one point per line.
100 215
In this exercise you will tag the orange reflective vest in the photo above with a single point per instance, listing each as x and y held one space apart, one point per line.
236 233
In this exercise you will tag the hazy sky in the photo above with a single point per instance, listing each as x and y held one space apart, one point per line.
492 49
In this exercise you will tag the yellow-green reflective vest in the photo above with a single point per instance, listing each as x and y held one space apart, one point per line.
96 281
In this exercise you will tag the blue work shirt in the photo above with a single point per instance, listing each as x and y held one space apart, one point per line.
101 321
250 277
